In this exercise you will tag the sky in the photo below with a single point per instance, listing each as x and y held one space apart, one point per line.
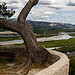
62 11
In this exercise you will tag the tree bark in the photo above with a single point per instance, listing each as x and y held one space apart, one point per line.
37 54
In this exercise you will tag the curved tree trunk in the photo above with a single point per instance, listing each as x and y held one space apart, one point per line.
36 54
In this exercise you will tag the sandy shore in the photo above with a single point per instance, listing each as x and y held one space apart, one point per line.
7 32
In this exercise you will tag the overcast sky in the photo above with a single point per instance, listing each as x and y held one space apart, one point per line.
62 11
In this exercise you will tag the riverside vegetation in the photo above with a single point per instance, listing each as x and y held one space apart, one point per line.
33 50
65 45
10 38
72 65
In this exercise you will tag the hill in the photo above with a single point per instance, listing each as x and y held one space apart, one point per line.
47 25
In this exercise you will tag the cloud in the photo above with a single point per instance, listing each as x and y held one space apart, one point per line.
45 10
13 1
49 13
55 4
17 5
71 4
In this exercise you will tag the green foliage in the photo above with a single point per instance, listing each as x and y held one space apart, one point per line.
72 65
66 45
46 31
72 34
20 44
4 13
9 38
66 49
44 35
58 43
69 30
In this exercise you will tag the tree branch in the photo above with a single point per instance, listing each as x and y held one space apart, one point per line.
19 28
25 11
13 26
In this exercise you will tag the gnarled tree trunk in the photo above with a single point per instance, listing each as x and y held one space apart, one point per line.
36 54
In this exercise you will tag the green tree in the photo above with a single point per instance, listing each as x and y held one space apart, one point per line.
4 12
35 54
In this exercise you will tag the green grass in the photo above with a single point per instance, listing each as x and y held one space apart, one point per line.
58 43
72 65
20 44
45 35
72 34
66 45
19 38
9 38
66 49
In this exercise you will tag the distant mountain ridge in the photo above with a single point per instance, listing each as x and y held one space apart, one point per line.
47 25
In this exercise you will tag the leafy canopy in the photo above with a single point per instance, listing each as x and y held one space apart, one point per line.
4 12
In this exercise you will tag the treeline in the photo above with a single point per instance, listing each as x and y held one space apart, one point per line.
69 30
50 32
47 31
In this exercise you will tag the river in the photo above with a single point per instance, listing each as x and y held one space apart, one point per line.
59 37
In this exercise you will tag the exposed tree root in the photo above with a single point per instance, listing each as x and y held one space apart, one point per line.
26 72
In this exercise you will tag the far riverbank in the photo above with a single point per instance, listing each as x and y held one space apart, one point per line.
59 37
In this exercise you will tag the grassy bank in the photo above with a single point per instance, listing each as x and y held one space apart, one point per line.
72 65
19 38
9 38
45 35
58 43
72 34
66 45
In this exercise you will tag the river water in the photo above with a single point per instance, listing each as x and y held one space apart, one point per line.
59 37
